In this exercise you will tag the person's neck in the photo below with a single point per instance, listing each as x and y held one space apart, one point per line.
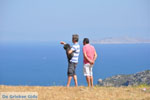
75 42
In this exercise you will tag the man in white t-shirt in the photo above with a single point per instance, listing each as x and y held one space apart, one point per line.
74 60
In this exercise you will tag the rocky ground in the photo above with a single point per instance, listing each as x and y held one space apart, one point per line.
127 80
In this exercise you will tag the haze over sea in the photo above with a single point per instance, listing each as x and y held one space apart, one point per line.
45 64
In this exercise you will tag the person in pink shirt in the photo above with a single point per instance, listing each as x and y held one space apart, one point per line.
90 56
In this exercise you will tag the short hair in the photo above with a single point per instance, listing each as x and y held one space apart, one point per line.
75 37
86 40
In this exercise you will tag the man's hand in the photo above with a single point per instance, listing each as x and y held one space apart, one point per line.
62 42
92 62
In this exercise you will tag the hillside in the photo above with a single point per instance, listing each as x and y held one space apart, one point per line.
120 40
127 80
83 93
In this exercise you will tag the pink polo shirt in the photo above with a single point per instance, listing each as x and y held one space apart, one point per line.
90 52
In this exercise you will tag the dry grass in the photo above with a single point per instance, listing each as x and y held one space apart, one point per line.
82 93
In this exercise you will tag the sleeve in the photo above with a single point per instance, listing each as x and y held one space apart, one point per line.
84 50
73 48
94 49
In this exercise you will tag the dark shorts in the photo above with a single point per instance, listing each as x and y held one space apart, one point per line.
71 69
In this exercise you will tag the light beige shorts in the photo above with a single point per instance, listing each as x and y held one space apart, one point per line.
87 70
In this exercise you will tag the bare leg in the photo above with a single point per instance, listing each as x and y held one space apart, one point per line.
75 80
91 80
69 80
88 80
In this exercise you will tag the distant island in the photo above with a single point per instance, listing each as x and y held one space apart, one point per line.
127 80
121 40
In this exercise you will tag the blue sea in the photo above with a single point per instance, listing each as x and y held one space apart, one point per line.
45 64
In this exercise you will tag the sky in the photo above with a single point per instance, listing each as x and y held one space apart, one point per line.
56 20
